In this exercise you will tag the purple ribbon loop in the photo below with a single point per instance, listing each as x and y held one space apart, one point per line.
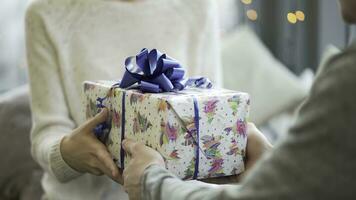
200 82
155 72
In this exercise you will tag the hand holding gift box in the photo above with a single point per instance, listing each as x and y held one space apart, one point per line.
200 131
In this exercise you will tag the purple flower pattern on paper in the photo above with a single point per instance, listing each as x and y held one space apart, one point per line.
91 108
116 118
174 155
234 149
210 109
169 133
189 172
163 106
141 123
88 87
216 167
239 128
211 151
136 98
189 131
228 130
234 104
188 140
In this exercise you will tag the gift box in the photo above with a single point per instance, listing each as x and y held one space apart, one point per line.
209 124
200 132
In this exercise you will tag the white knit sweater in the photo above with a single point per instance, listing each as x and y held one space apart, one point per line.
69 41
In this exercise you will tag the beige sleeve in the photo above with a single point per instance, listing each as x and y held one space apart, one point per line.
314 161
51 119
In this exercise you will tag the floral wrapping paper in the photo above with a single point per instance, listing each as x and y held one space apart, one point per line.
165 122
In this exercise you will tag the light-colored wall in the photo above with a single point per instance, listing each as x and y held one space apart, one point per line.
12 48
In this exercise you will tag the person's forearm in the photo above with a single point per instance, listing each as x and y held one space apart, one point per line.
158 184
46 151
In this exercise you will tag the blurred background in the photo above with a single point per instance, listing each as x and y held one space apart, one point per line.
295 31
271 49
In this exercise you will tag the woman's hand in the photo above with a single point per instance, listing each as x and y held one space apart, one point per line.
257 145
82 151
141 158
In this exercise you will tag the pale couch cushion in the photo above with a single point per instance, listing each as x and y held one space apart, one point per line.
280 124
19 174
250 67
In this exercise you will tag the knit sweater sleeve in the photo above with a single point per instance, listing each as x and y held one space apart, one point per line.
51 119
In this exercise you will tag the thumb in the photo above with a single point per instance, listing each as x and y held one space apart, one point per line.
128 145
97 119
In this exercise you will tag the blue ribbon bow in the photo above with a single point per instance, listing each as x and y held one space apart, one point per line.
155 72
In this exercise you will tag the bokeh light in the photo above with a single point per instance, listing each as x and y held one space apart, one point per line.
300 15
247 2
292 18
252 14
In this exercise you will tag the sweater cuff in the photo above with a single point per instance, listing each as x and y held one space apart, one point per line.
152 180
60 169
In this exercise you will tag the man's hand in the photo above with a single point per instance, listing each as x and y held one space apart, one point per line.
141 158
257 145
82 151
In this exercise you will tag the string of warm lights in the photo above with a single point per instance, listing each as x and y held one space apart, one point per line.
292 17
